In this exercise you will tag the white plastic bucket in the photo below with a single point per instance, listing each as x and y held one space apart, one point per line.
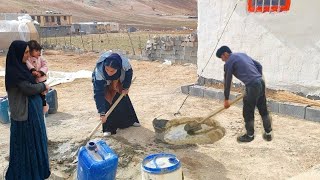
161 167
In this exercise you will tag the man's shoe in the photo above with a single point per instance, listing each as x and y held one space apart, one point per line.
267 136
245 138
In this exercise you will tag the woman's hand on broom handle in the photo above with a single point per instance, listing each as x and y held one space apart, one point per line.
125 91
104 117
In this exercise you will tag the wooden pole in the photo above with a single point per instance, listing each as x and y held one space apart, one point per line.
100 42
92 43
47 36
55 36
134 53
82 41
140 45
70 37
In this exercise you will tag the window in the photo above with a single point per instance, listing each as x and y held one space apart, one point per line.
38 19
268 5
47 18
65 18
52 18
58 20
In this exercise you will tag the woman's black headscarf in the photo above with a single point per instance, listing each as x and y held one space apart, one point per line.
114 61
16 70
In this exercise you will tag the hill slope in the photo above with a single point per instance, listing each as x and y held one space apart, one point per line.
144 13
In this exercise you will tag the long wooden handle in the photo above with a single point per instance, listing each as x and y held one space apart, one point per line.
221 109
108 113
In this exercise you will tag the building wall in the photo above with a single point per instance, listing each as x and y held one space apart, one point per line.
54 31
95 28
52 19
287 44
114 27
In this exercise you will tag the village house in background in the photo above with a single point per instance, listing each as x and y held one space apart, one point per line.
95 27
53 23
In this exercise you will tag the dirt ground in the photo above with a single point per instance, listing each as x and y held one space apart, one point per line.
156 93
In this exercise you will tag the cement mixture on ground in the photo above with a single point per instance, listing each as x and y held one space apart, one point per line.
156 91
173 131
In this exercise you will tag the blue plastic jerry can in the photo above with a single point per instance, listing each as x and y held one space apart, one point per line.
96 161
52 100
4 110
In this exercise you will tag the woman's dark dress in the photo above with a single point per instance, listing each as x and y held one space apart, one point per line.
28 145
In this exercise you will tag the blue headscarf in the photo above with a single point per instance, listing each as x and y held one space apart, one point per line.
114 61
16 70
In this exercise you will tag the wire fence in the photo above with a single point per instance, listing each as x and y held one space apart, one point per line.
131 43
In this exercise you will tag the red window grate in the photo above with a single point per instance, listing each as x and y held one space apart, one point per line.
268 5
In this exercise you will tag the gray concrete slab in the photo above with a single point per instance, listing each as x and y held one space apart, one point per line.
210 93
313 114
201 80
273 106
185 89
233 96
293 109
297 110
196 90
220 95
213 93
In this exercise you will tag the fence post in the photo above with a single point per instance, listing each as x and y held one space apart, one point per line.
99 42
140 45
55 36
82 41
70 38
47 36
40 36
91 43
134 53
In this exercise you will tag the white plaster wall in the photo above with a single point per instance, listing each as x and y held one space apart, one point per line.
287 44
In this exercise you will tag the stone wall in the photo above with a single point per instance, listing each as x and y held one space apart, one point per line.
176 49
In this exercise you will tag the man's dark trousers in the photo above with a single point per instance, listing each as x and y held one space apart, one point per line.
256 96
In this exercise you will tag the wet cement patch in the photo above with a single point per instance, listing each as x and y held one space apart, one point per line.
173 131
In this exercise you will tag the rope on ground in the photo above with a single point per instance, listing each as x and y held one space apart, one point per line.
224 29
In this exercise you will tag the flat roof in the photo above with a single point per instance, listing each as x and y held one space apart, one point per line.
89 23
45 14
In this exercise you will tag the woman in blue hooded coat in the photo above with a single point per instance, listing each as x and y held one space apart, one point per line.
28 138
112 77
